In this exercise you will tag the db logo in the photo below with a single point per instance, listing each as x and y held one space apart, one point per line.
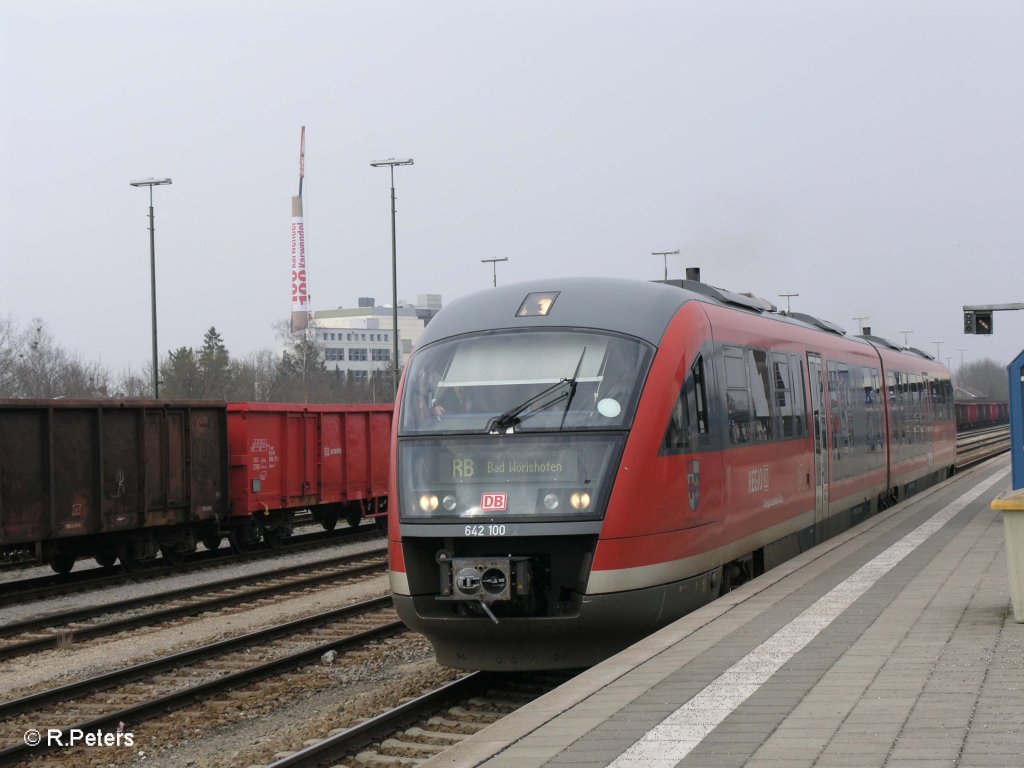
494 502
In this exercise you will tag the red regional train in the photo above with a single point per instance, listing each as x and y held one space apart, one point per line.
130 480
578 462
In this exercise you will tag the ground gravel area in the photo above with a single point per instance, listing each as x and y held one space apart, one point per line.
62 665
247 727
111 595
282 715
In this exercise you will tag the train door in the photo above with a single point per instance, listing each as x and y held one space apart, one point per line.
819 428
302 475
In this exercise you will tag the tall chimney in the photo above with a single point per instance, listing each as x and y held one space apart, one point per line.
300 292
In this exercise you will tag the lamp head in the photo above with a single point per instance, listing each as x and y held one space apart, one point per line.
392 161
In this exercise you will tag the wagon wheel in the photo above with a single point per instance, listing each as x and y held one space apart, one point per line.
172 554
277 537
62 562
329 521
131 560
353 516
243 539
212 540
281 532
106 558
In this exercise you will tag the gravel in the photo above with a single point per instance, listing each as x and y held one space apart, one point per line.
114 594
54 667
242 728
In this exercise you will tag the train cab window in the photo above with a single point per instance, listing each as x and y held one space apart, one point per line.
687 428
526 380
737 395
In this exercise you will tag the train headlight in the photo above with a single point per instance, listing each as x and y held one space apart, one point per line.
448 502
428 502
580 500
551 501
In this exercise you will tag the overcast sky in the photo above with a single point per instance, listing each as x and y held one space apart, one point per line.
866 155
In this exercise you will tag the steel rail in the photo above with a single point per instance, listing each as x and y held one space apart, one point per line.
135 713
352 739
62 637
24 590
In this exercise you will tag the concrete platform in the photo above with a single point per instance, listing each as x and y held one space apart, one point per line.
892 644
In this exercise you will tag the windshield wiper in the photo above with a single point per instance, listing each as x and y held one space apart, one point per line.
511 417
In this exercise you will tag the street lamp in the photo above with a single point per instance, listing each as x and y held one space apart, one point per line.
390 163
906 338
494 266
665 254
787 297
152 273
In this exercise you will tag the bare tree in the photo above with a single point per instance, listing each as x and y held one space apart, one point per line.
9 351
986 377
133 385
254 378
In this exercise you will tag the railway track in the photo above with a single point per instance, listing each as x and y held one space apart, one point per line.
976 446
66 627
24 590
153 688
424 727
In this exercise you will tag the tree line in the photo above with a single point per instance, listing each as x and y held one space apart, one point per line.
33 365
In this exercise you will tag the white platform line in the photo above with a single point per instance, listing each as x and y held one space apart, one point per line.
677 735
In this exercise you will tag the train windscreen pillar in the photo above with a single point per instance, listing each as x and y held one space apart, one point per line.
1016 369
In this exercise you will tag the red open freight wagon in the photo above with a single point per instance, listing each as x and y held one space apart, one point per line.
330 459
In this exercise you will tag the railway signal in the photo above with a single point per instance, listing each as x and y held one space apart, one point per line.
978 318
978 322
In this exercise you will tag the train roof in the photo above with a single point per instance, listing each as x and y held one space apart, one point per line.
633 307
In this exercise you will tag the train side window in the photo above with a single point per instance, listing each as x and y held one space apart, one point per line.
873 402
783 395
737 395
892 386
700 395
688 425
796 365
839 426
761 391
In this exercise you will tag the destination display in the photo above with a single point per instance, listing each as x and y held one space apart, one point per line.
549 475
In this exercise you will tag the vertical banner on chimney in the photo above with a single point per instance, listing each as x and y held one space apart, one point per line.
300 294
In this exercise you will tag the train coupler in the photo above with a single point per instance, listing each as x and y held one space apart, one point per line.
484 580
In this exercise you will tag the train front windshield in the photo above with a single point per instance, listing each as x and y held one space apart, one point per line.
465 384
511 424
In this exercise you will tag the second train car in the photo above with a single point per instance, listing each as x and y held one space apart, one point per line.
579 462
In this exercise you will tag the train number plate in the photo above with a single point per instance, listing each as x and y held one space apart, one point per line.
489 529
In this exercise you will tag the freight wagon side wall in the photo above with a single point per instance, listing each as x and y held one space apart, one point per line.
285 456
24 475
72 468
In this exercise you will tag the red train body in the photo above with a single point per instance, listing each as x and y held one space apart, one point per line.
131 479
330 459
620 453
